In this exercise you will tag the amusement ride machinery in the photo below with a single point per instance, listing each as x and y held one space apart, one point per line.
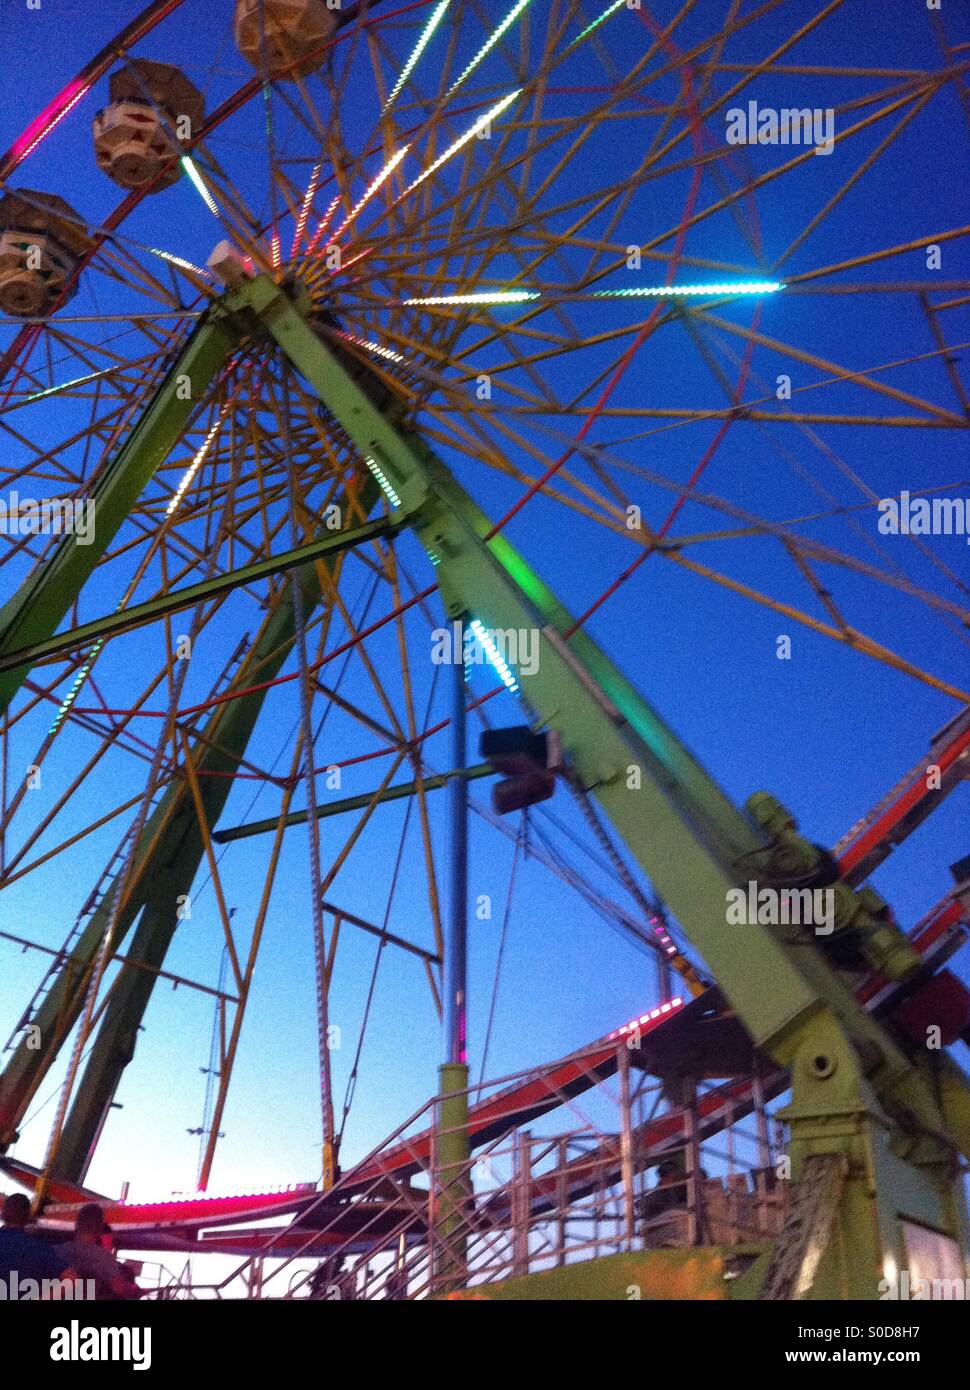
431 265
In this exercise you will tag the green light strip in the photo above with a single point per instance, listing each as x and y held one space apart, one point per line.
383 481
611 9
676 291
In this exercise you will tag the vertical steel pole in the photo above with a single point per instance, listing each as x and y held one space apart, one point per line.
695 1212
764 1146
521 1202
626 1144
453 1147
562 1197
456 942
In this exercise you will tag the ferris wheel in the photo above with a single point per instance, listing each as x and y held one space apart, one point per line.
333 276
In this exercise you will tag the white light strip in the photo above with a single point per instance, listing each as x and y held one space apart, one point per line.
490 43
498 661
181 263
642 292
462 140
63 386
75 689
308 197
419 48
371 347
196 463
372 188
190 168
612 9
324 221
499 297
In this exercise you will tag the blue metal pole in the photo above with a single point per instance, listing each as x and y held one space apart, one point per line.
456 940
453 1184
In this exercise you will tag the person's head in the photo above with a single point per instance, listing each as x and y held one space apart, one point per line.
89 1224
16 1210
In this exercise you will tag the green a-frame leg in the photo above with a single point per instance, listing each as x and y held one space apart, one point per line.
898 1118
170 847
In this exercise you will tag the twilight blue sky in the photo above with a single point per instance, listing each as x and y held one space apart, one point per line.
828 731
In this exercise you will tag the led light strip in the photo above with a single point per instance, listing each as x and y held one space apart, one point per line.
183 264
324 222
190 168
63 386
499 297
76 684
308 197
502 668
463 140
372 188
675 291
196 463
371 347
636 1023
743 287
422 43
383 481
47 121
611 9
490 43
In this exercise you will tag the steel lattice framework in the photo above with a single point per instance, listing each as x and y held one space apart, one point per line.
431 279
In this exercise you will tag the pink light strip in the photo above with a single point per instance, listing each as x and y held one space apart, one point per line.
51 116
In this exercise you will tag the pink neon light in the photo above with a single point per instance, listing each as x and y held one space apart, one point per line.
51 116
659 1012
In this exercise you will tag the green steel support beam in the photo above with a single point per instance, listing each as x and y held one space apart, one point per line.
688 837
43 601
176 863
354 803
169 855
111 624
855 1090
452 1179
883 1109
